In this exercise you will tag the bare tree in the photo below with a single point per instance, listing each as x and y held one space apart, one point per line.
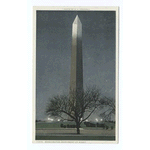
75 105
107 105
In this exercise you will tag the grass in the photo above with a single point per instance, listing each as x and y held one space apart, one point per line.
47 125
54 125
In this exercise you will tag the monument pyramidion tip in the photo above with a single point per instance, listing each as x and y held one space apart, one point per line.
76 20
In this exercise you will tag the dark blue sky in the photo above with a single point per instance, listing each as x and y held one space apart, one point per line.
53 53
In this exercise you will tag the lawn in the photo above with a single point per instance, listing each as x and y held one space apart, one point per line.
43 126
46 125
40 125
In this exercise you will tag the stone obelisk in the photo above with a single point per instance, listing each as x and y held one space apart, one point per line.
76 76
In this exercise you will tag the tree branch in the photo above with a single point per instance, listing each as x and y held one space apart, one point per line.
88 115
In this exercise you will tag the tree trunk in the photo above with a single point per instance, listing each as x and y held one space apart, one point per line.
78 127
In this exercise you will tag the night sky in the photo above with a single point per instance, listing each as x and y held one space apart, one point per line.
53 53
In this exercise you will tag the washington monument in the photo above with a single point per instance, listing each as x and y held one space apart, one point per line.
76 77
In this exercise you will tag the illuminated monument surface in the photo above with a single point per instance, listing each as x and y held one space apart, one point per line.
76 77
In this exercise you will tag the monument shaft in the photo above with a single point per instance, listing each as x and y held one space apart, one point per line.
76 78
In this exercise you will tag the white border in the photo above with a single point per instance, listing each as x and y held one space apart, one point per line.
71 8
